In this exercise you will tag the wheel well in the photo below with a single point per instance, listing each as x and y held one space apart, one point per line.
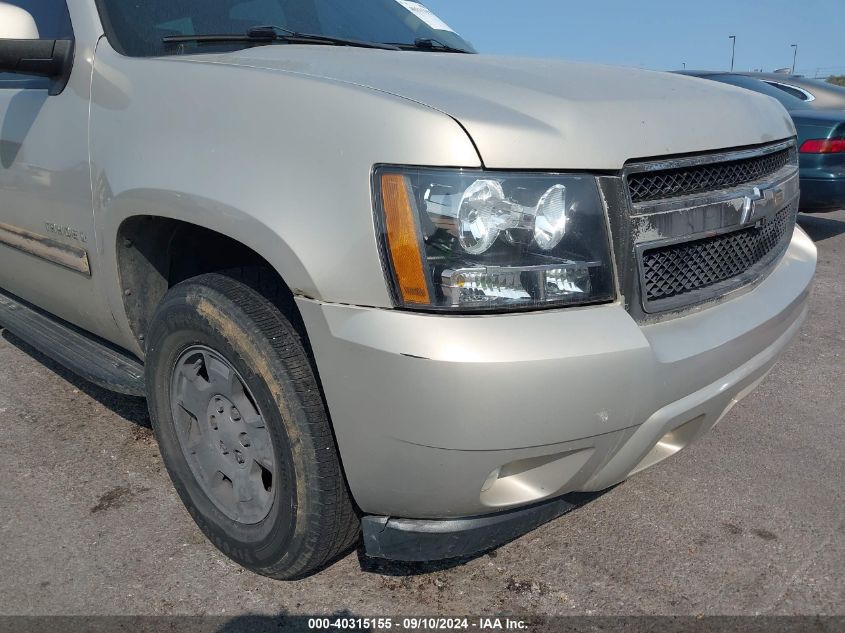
155 253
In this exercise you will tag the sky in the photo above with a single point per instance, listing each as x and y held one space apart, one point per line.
658 34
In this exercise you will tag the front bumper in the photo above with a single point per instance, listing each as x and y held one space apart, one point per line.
440 417
822 194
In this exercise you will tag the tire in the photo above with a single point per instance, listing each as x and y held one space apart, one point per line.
258 468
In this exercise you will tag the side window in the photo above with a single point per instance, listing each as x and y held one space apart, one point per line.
798 94
53 22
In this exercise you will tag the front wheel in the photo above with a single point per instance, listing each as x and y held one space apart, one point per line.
243 430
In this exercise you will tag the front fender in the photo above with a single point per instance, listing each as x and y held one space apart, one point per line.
278 161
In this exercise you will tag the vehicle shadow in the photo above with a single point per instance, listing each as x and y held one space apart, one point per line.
399 568
129 408
819 227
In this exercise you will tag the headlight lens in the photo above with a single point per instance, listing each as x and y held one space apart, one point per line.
481 216
550 219
466 240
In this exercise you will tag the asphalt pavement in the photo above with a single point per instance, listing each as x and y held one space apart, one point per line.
750 520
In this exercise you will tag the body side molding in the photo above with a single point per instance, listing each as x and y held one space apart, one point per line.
43 247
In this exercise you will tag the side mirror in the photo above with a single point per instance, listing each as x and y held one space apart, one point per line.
22 52
17 23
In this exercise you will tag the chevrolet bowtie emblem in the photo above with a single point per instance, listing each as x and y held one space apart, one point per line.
749 205
761 204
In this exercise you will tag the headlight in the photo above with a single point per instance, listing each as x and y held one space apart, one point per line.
466 240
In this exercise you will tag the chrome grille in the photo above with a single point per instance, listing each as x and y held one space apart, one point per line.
668 183
717 222
677 269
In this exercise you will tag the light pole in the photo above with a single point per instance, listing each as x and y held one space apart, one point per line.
685 65
733 50
794 56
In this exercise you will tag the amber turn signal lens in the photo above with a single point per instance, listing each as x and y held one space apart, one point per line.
402 240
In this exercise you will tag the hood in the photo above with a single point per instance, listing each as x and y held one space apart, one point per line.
544 114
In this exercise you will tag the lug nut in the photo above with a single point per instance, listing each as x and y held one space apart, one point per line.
236 415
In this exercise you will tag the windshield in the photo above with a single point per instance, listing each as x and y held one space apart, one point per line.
788 101
137 28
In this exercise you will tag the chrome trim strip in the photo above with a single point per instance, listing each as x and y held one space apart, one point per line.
706 159
692 217
43 247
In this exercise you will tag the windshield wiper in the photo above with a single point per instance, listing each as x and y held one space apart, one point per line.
428 44
271 34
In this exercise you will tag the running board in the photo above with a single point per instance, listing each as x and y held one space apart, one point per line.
95 361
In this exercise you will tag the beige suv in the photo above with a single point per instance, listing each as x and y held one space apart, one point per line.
373 282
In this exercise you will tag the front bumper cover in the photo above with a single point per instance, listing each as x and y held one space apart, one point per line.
663 434
451 417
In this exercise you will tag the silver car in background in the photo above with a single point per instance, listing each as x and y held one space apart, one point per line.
817 93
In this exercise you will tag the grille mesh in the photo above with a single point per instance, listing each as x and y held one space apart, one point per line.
678 269
656 185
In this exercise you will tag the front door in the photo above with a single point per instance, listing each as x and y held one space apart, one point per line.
47 240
